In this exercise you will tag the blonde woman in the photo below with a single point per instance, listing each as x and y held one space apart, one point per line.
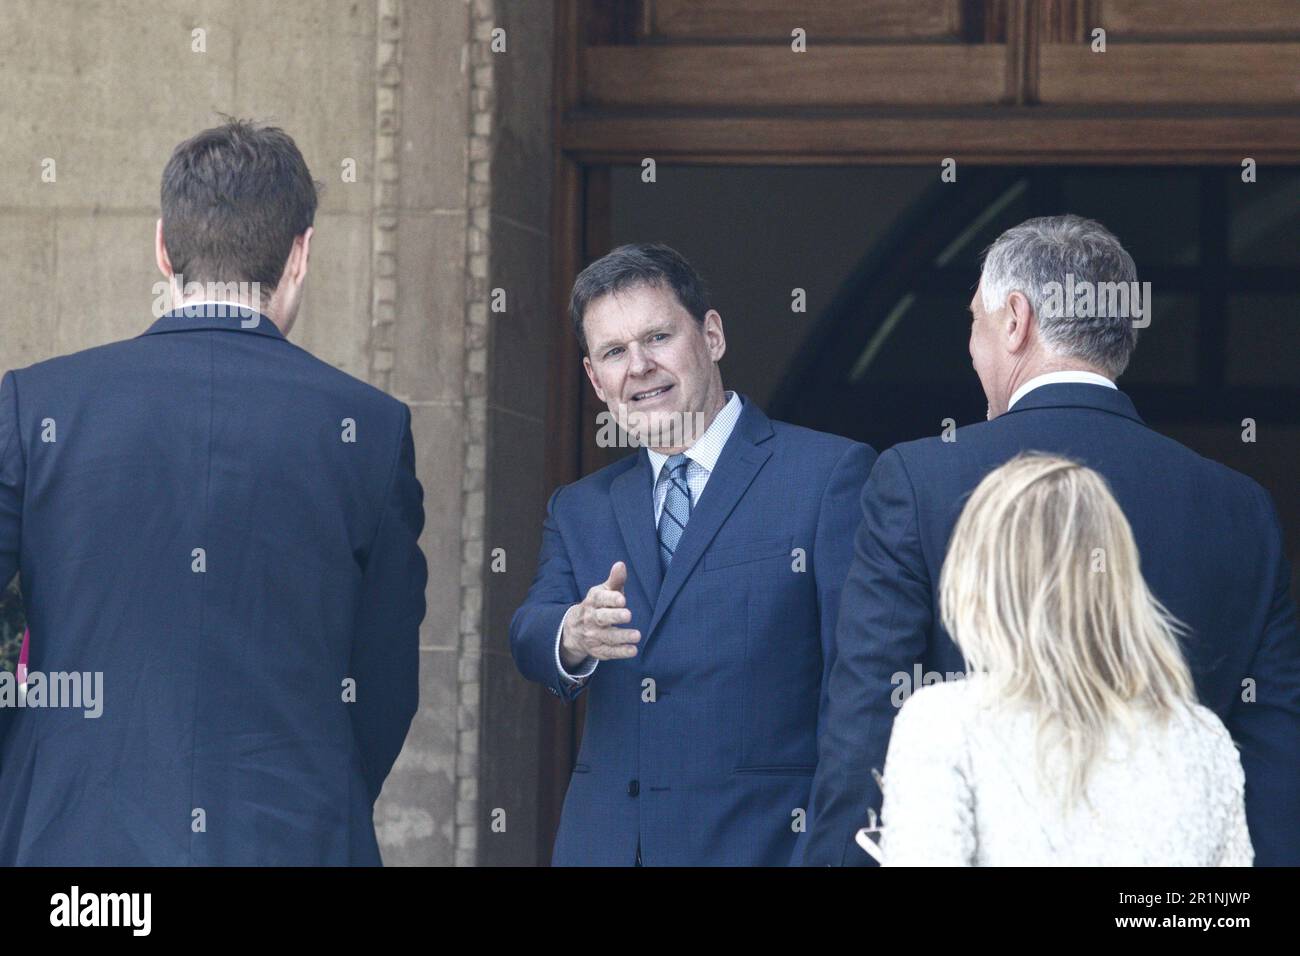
1076 738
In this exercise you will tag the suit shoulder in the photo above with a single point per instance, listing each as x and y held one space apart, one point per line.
807 441
350 385
964 455
1230 484
598 482
1237 481
72 363
921 450
85 365
919 456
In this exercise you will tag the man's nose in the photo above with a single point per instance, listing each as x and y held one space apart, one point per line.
640 362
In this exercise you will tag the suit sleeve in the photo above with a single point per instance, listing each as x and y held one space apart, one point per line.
386 643
1267 729
834 550
12 479
884 621
12 476
536 624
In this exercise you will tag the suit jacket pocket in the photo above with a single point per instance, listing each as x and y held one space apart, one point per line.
734 554
777 771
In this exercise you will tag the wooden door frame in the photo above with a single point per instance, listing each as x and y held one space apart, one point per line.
589 140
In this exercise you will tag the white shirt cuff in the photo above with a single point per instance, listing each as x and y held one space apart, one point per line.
588 667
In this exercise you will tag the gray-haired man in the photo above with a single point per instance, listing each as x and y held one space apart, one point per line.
1209 537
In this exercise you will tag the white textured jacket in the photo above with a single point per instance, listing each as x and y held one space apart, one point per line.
962 787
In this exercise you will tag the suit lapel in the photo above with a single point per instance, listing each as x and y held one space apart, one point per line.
633 497
740 461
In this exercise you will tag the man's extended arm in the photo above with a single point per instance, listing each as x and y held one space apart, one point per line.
535 628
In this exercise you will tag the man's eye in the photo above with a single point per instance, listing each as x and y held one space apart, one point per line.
612 352
658 336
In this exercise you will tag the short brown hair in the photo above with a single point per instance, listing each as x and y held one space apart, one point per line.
233 200
637 264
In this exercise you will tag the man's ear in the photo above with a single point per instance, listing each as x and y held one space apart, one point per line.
1020 320
302 253
306 246
714 335
600 392
160 252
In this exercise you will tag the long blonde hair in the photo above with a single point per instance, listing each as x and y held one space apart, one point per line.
1042 591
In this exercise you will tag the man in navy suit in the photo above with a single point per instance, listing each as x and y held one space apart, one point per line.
690 588
224 529
1209 538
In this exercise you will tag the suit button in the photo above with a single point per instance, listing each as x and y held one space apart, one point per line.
633 788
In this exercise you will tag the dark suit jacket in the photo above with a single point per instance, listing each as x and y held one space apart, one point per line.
716 769
1211 551
223 673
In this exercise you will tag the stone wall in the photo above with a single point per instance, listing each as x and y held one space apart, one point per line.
451 148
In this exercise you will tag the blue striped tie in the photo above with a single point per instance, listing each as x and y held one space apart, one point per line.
677 508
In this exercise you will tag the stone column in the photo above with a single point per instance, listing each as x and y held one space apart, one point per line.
471 220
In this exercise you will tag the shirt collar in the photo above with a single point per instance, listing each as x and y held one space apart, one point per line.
218 308
191 316
708 448
1057 378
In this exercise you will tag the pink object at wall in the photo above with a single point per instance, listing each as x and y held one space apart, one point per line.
22 657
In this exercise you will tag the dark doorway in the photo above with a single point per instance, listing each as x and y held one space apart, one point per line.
881 352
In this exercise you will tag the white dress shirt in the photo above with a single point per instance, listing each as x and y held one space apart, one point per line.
1057 378
703 457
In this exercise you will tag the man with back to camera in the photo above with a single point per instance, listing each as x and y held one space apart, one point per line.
226 528
690 588
1209 537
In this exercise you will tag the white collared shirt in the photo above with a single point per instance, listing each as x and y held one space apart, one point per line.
225 309
703 457
1058 378
200 303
